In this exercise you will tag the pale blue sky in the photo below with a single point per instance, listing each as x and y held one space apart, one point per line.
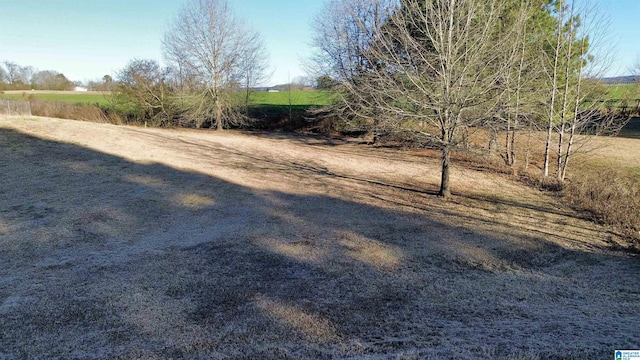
86 39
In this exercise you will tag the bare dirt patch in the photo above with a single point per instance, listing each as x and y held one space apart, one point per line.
145 243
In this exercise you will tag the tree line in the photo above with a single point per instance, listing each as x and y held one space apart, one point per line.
16 77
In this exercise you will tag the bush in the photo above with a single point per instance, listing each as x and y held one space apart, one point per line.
83 112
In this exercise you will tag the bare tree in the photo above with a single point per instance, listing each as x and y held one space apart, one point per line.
581 112
343 30
209 44
578 56
13 72
255 62
555 69
438 63
520 103
18 75
3 75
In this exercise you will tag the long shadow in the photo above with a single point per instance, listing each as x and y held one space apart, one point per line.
282 117
294 166
103 257
632 129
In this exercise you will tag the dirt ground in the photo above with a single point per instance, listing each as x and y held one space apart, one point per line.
126 242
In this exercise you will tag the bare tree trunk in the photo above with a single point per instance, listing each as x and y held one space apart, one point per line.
516 116
560 148
247 95
565 97
527 155
554 86
576 109
514 159
565 163
547 149
445 192
508 143
219 126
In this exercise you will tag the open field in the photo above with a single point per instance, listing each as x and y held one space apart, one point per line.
125 242
623 91
295 98
73 97
307 98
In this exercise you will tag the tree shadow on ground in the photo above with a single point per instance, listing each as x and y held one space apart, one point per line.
104 257
632 129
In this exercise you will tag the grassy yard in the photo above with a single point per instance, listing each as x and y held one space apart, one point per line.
131 242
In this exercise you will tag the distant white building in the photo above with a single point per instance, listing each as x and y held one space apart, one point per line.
80 88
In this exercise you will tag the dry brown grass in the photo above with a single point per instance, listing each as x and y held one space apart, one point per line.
611 195
603 178
605 182
123 242
82 112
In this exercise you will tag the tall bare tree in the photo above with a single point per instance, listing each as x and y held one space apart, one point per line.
18 75
438 63
343 30
219 54
520 103
578 56
256 65
581 112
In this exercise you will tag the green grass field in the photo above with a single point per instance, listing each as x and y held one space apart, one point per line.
300 98
623 91
79 98
297 98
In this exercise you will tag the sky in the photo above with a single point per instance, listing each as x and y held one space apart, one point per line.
87 39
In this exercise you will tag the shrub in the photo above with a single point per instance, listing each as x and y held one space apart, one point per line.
612 195
83 112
